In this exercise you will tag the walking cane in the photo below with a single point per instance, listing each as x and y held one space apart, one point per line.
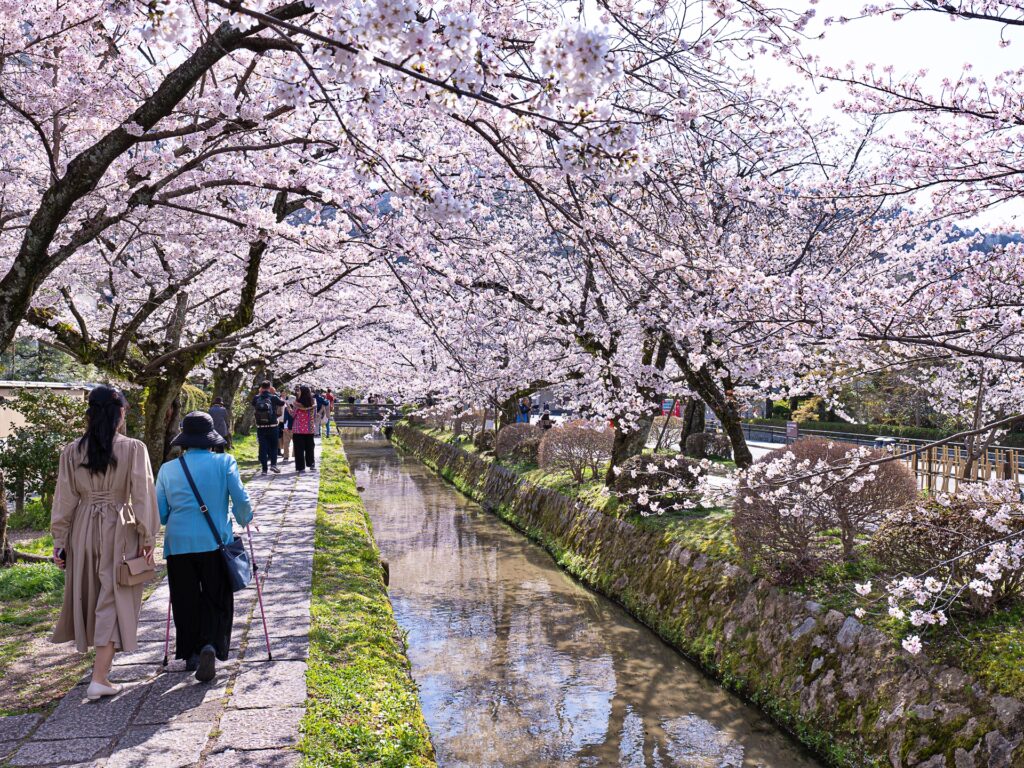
167 637
259 592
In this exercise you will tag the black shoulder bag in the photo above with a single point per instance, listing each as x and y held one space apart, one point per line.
236 559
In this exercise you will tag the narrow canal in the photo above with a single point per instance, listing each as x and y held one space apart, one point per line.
518 665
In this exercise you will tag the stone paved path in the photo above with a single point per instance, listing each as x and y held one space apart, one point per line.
248 716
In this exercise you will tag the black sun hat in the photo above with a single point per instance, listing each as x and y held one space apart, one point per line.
197 432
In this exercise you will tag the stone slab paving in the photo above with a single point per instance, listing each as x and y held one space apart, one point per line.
248 716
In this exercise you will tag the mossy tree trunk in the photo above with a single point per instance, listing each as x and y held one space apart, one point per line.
160 417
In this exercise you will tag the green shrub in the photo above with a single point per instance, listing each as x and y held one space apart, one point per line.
788 530
30 457
34 517
511 435
484 440
28 580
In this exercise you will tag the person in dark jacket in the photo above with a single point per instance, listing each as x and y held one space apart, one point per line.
267 406
219 414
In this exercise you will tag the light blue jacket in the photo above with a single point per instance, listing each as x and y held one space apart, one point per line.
216 476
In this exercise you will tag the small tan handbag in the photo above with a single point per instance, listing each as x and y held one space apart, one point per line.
136 571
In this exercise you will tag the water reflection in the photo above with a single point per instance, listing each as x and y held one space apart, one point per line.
520 666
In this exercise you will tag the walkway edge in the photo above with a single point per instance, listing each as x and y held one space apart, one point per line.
362 707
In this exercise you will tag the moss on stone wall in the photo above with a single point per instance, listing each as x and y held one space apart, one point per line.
844 689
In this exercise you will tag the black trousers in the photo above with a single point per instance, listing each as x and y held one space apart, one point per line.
202 603
267 439
304 456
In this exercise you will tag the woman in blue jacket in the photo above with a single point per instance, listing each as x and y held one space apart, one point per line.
201 598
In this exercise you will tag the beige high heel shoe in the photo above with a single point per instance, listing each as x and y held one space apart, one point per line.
99 690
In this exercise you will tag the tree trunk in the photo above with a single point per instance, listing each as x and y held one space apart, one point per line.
508 412
693 420
629 444
245 417
226 383
19 495
160 417
6 553
705 385
733 427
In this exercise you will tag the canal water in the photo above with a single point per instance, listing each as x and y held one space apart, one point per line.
518 665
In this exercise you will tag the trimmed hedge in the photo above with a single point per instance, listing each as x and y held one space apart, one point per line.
886 430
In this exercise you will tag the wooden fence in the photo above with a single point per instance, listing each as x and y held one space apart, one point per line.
940 467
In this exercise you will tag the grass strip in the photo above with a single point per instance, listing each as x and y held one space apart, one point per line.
362 707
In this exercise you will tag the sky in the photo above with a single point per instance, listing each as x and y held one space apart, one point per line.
927 40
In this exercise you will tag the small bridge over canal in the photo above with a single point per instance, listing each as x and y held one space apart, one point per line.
366 415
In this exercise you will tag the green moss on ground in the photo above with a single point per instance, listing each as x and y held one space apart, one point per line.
362 707
246 451
30 599
702 530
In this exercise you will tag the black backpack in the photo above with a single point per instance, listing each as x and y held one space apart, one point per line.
265 416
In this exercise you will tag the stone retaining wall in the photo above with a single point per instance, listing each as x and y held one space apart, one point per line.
844 689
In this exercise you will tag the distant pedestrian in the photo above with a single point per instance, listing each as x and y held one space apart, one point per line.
545 421
303 425
286 427
329 396
351 399
219 414
524 411
201 598
267 406
104 511
280 423
321 410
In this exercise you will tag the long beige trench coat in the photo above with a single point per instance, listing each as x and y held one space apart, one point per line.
99 520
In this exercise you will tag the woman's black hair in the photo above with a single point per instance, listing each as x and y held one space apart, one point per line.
103 417
305 397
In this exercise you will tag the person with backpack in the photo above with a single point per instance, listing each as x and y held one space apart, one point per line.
303 427
267 405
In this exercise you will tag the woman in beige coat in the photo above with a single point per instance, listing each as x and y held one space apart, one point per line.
104 512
